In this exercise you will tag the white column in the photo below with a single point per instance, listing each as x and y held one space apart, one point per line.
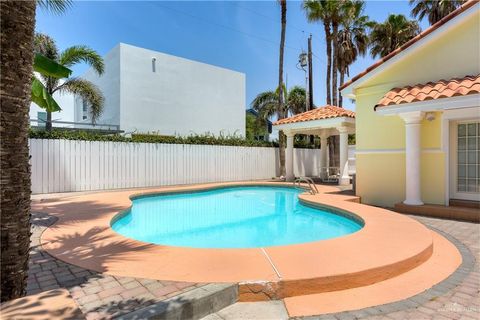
344 177
412 157
289 157
323 154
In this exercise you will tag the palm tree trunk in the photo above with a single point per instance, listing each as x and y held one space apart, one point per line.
50 88
17 27
281 103
48 124
334 66
328 39
340 98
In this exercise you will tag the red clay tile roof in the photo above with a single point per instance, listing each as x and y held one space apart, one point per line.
325 112
431 91
422 35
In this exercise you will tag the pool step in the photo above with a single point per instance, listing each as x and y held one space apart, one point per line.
405 290
191 305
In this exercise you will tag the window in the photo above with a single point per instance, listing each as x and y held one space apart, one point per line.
84 110
468 157
42 118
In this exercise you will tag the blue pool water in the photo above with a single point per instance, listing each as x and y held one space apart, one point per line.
237 217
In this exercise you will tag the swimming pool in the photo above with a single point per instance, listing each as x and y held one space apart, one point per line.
232 217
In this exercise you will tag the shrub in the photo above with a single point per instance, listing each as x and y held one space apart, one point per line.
206 139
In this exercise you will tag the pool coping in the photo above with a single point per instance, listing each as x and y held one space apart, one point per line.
251 287
437 290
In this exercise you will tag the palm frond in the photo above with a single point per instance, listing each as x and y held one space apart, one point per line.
394 32
266 104
85 54
45 45
55 6
88 92
434 10
297 100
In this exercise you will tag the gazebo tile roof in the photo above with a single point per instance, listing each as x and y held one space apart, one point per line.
326 112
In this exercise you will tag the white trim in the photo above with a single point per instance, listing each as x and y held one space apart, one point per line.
412 117
462 102
393 151
434 35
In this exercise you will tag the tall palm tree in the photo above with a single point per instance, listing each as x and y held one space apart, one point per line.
337 10
281 101
330 13
434 10
317 10
17 28
89 92
395 31
352 39
267 106
17 25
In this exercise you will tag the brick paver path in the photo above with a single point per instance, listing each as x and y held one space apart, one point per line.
462 302
98 295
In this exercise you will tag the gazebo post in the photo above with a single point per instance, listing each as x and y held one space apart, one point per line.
323 154
289 156
344 177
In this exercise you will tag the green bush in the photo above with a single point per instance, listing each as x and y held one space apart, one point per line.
230 140
149 138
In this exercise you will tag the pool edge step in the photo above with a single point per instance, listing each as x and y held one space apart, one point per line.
194 304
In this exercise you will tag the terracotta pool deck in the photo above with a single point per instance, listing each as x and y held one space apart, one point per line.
77 241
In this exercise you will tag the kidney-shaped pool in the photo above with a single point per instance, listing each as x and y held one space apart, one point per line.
233 217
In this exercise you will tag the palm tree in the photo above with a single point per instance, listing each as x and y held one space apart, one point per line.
267 106
392 34
281 101
317 10
434 10
352 39
89 92
17 28
331 14
17 25
337 15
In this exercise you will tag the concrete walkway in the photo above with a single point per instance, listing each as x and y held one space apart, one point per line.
462 302
274 310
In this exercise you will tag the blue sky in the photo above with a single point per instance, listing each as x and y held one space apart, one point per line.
239 35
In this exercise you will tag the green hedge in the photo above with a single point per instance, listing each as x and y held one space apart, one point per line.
149 138
300 142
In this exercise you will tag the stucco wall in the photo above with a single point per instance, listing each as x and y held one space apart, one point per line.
109 84
381 139
179 96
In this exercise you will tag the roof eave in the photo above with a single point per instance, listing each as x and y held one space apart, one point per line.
458 102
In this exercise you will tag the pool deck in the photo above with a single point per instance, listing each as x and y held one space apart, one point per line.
380 251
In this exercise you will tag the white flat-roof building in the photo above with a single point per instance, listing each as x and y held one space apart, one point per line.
149 91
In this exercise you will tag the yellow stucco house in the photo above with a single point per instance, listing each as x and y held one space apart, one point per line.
418 117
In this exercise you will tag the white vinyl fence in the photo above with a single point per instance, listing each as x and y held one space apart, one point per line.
69 165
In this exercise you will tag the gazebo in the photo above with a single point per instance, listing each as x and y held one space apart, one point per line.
323 122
